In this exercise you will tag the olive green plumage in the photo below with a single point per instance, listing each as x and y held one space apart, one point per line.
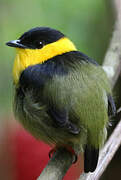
65 100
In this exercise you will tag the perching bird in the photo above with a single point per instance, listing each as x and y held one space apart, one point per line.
62 96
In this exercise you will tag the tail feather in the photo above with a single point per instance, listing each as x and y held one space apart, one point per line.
90 158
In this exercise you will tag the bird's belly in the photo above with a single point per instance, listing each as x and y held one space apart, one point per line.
36 120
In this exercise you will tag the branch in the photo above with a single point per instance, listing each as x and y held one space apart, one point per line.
62 160
112 60
57 166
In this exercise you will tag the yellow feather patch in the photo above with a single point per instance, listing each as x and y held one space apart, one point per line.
28 57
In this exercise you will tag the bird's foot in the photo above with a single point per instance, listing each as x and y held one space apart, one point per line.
69 149
52 151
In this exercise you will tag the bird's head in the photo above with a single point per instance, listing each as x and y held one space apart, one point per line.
45 41
37 46
36 38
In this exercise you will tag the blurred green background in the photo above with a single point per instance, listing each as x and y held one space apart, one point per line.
88 23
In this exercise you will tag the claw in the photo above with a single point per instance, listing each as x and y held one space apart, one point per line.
52 151
75 158
70 149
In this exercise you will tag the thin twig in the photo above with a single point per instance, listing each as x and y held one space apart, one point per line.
60 162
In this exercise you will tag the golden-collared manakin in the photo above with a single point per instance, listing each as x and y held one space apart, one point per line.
62 96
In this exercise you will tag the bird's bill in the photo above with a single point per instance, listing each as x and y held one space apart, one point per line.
16 44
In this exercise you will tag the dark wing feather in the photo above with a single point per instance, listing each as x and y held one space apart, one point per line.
61 119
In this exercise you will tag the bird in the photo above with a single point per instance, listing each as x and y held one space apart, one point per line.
61 96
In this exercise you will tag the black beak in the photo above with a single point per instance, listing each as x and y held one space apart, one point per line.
16 43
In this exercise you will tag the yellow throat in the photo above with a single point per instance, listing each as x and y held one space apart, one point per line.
29 57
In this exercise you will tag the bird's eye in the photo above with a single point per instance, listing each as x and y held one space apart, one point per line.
40 45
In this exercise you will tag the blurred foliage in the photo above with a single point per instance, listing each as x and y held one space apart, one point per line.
87 23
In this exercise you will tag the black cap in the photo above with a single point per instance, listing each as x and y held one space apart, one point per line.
36 38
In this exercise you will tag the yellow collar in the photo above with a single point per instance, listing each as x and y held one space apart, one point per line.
28 57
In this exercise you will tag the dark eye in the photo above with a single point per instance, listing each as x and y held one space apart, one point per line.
40 45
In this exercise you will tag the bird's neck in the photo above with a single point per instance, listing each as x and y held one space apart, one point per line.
29 57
